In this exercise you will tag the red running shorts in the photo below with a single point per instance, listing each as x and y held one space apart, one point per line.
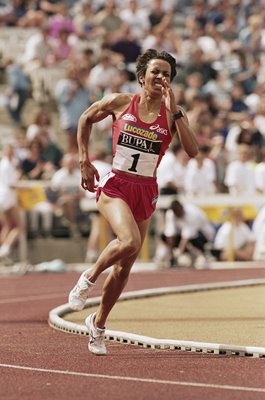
140 193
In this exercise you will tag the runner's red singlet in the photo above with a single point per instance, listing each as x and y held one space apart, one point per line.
138 147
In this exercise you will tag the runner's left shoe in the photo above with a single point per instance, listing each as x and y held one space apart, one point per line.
96 337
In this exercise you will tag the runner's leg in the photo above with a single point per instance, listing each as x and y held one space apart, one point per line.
128 236
116 281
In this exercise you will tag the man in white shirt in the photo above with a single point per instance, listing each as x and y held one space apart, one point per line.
104 74
136 18
234 239
240 177
172 170
187 230
66 181
200 177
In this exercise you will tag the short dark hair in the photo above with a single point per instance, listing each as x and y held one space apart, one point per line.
177 208
152 54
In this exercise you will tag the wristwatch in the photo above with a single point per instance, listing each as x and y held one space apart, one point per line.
177 115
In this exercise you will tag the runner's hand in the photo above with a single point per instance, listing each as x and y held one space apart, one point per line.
169 96
89 176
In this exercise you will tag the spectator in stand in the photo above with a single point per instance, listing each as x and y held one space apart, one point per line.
72 97
51 154
236 133
260 173
240 176
126 45
41 122
187 230
63 49
108 19
40 137
37 49
198 13
172 171
247 73
18 90
213 44
180 94
251 35
158 18
37 57
199 64
33 167
234 241
20 145
43 159
12 14
238 108
215 12
65 184
84 21
205 133
250 136
34 17
136 18
219 87
103 74
11 223
85 58
158 40
200 177
194 84
59 21
49 7
229 29
198 110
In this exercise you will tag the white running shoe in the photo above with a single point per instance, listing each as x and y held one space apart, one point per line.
96 337
4 250
79 294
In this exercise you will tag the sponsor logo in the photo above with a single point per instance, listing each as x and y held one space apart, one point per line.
129 117
139 143
158 129
140 131
154 200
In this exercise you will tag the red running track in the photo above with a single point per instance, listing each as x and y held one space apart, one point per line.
38 362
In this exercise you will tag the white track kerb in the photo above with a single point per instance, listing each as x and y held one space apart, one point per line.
56 321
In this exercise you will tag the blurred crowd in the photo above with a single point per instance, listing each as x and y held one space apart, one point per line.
81 50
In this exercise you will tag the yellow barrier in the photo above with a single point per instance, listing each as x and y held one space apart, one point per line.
216 207
28 197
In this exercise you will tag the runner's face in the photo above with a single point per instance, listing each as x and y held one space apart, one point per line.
156 70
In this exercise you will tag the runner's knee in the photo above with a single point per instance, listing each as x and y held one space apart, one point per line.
132 245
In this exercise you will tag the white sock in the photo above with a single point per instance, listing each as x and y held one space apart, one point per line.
89 282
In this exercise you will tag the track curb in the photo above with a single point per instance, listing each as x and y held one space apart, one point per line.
57 321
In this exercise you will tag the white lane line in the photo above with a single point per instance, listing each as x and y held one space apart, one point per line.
32 298
136 379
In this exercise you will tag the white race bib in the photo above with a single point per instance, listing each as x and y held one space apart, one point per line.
137 155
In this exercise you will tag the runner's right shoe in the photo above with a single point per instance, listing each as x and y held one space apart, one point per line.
96 337
79 294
